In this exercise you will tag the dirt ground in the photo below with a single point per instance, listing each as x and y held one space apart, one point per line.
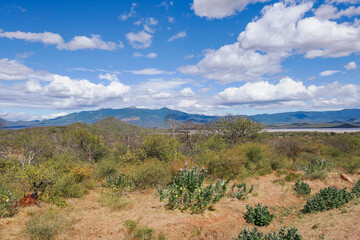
224 221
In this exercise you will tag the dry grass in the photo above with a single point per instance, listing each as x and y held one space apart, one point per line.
93 221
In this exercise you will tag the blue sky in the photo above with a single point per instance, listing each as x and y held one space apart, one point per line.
199 56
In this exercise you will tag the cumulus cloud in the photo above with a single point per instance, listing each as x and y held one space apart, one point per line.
282 30
177 36
350 65
187 92
140 39
76 43
289 92
328 11
150 71
328 73
220 9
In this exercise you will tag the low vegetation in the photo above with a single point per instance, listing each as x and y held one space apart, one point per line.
258 215
284 234
55 166
327 198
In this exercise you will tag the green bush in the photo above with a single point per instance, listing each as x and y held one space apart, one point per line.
356 189
284 234
259 215
240 192
302 188
6 202
317 168
247 234
106 167
186 192
160 147
118 182
150 173
67 187
327 198
46 226
351 165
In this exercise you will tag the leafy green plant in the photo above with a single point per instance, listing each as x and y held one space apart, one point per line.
292 177
258 215
247 234
284 234
240 191
317 168
118 182
186 192
302 188
327 198
356 189
6 202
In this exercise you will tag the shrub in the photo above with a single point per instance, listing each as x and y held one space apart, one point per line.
160 147
260 216
247 234
6 202
356 189
351 165
186 192
240 192
284 234
150 173
67 187
118 182
327 198
235 129
302 188
46 226
292 177
317 168
106 167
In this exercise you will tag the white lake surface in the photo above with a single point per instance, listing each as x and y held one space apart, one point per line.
335 130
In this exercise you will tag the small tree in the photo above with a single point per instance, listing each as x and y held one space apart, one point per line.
236 129
173 124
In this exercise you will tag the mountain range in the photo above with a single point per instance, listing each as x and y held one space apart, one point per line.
156 118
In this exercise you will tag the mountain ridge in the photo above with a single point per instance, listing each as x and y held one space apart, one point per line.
156 118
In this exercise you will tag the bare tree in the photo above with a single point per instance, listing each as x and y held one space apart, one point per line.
173 124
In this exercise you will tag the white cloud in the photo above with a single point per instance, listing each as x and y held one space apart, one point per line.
76 43
150 55
171 19
126 16
153 21
289 93
162 95
280 32
149 71
327 11
109 77
350 65
220 9
328 73
189 56
140 39
11 70
177 36
187 92
189 104
24 55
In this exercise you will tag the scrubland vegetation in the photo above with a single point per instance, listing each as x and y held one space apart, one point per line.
194 172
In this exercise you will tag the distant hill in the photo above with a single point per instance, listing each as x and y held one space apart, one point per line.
156 118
